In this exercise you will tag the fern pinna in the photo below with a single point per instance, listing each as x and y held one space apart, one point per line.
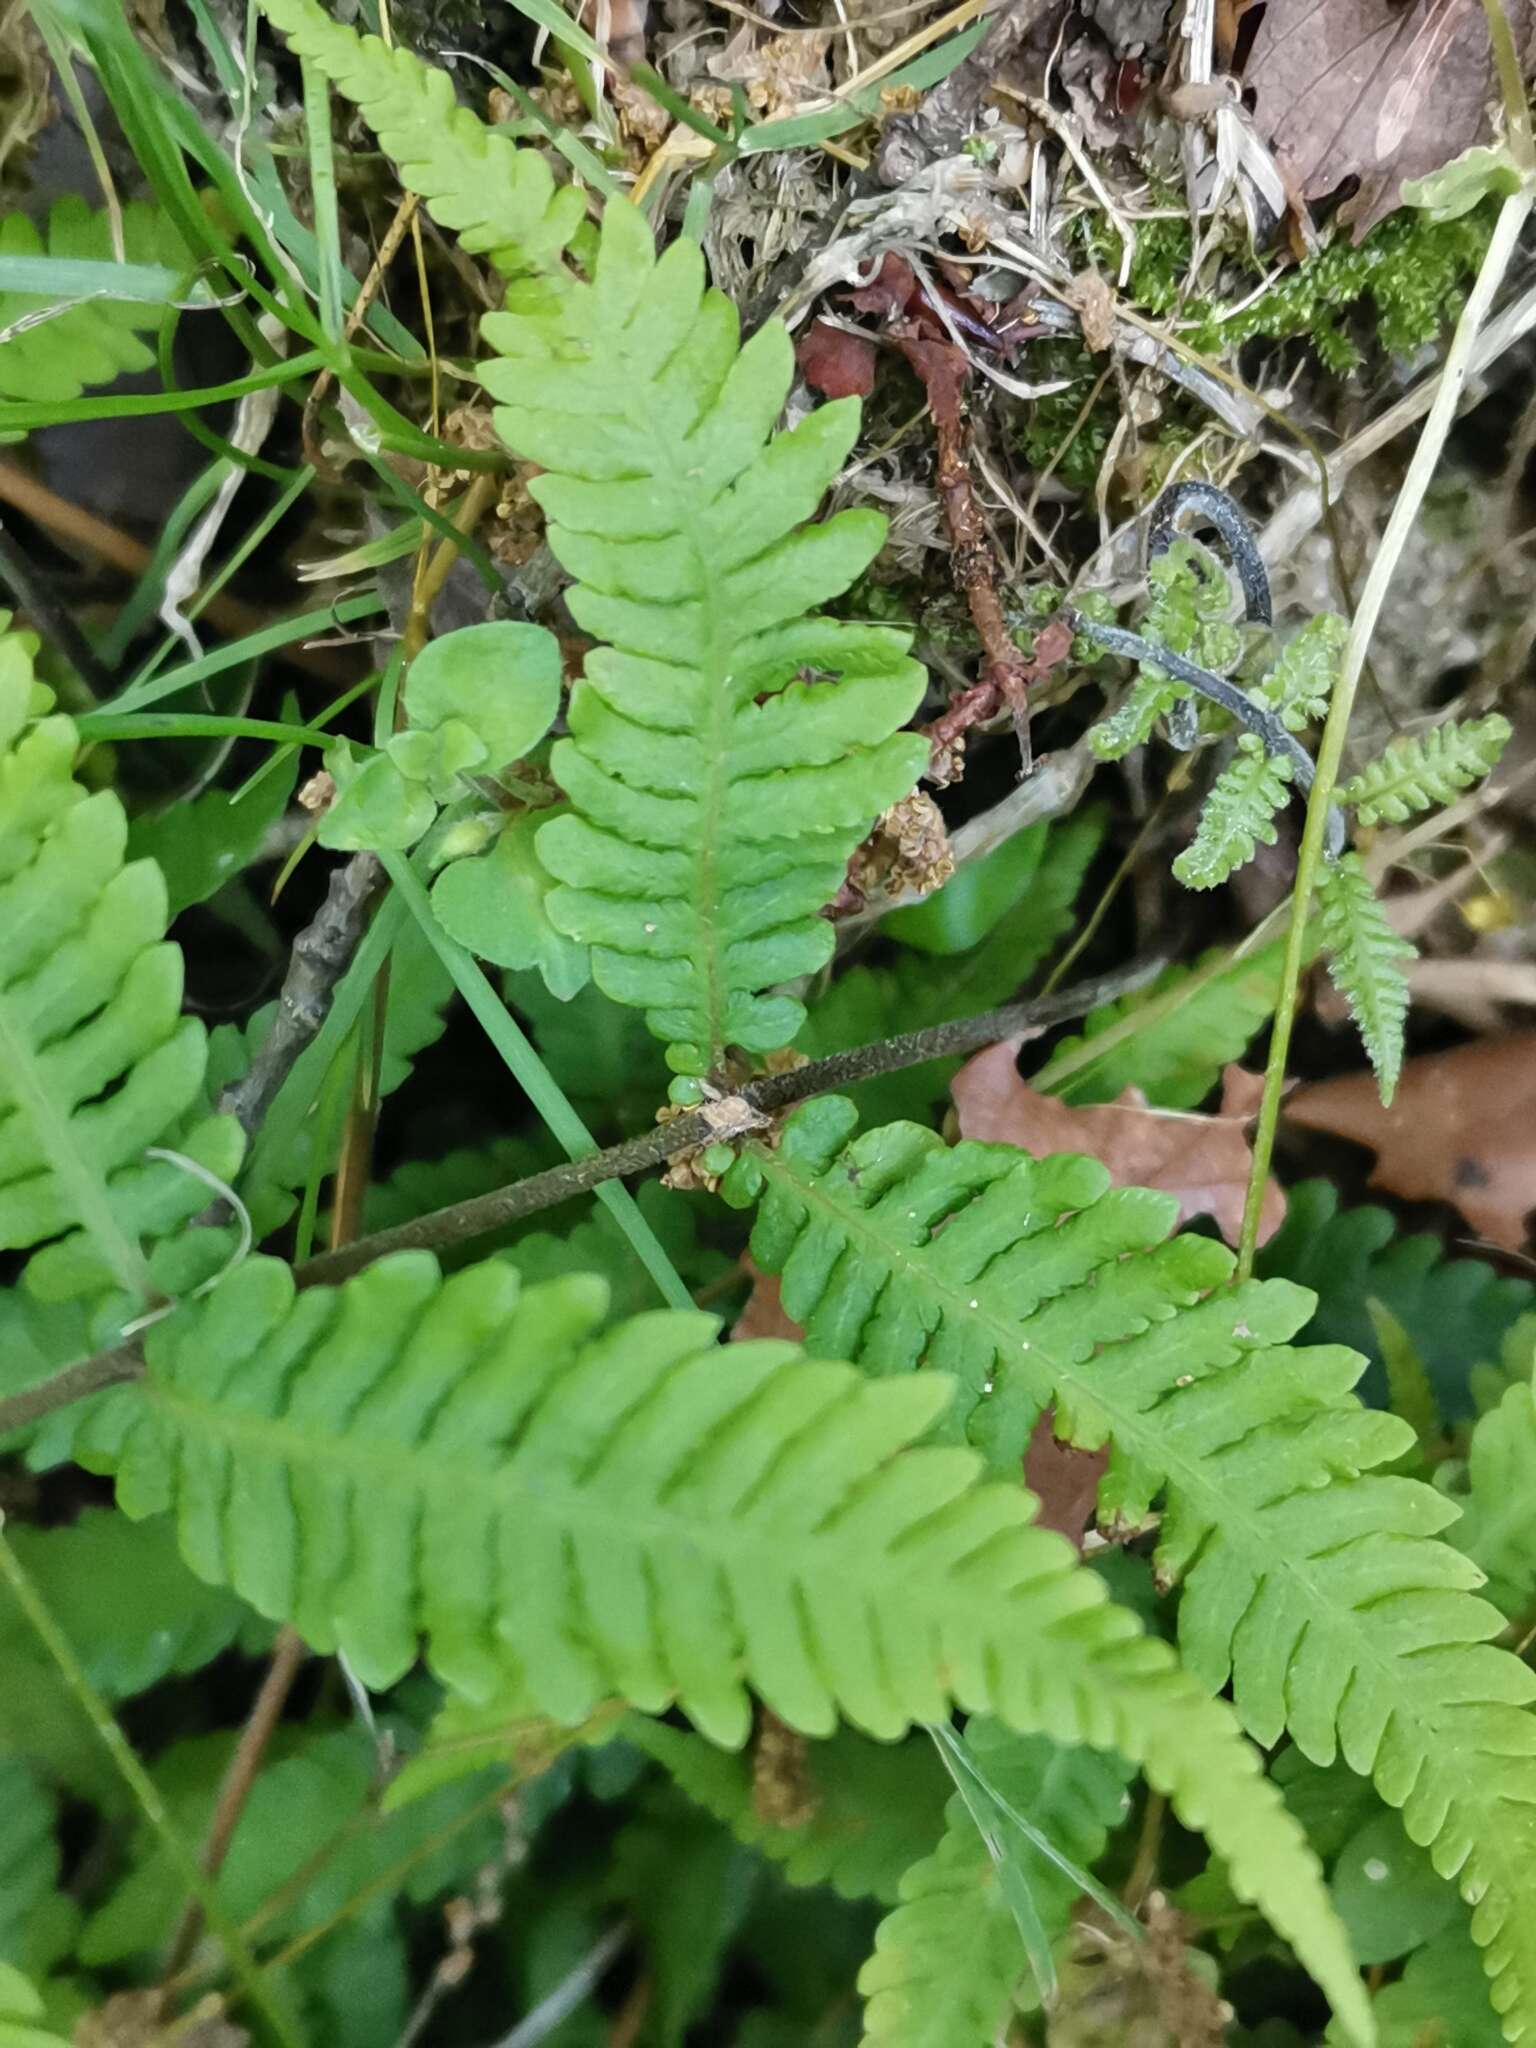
636 1514
1316 1589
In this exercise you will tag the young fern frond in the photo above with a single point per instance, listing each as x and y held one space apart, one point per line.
1301 681
949 1968
1497 1529
1363 963
1320 1592
728 751
641 1515
1432 768
501 201
1189 595
1237 815
97 1064
96 340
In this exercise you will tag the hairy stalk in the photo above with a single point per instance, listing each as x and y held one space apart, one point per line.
145 1794
481 1214
1426 457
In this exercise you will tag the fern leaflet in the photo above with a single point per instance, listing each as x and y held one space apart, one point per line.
727 751
97 1065
96 340
1189 597
1497 1529
1415 774
949 1967
501 201
1301 681
1318 1591
1363 955
644 1516
1237 814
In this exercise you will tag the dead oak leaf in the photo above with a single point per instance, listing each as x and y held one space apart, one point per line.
1203 1161
1375 90
1461 1129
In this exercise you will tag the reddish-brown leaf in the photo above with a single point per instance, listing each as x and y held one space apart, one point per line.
1201 1160
1375 90
1461 1129
764 1314
1064 1481
836 363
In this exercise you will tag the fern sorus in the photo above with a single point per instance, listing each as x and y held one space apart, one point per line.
57 355
97 1065
638 1514
727 750
1318 1590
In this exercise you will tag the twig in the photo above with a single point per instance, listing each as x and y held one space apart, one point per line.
288 1654
758 1099
768 1094
322 952
1426 457
571 1992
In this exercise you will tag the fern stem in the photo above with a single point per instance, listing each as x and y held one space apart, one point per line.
145 1794
1330 754
534 1078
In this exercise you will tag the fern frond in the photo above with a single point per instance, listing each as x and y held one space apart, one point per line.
1497 1529
97 1064
1431 768
501 201
1318 1591
1237 815
37 1918
875 1808
648 1517
1302 679
96 340
949 1968
1189 596
1363 954
21 2010
1170 1040
727 751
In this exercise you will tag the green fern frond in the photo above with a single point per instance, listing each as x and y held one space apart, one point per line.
1170 1040
727 752
1237 815
1363 954
97 1064
648 1517
1302 679
1497 1529
949 1968
501 201
1318 1591
37 1917
96 340
875 1808
1190 594
21 2010
1431 768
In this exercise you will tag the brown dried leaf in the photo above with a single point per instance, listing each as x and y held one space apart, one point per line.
1065 1481
836 363
1461 1129
1373 89
764 1314
1202 1160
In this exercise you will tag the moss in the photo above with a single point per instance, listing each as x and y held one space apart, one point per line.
1413 272
1047 421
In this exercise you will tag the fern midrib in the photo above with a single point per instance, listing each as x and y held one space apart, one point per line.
715 676
398 1471
86 1187
1223 1511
